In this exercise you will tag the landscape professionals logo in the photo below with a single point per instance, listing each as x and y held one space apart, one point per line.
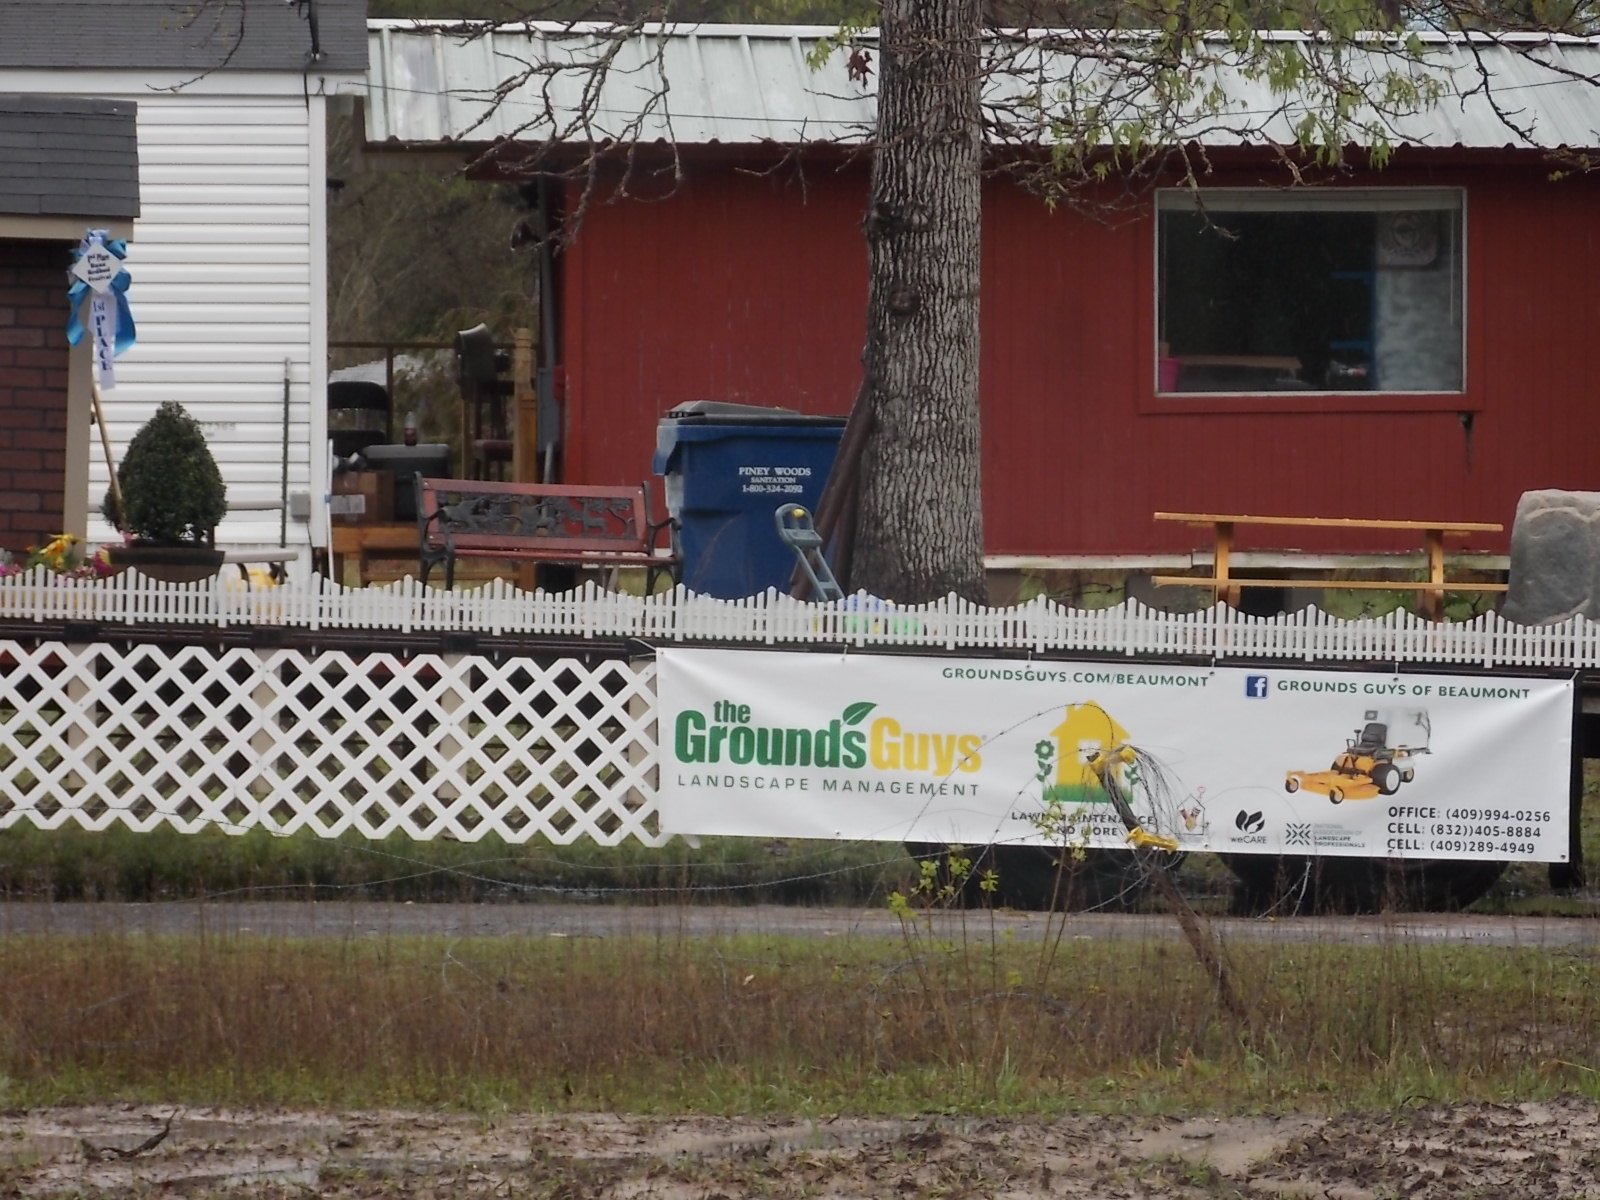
1297 834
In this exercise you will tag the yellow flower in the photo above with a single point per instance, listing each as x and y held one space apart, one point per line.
59 554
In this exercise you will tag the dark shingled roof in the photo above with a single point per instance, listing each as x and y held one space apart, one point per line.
64 156
183 35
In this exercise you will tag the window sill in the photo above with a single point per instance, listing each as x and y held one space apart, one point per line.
1201 403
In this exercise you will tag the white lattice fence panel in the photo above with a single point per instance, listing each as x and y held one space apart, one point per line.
426 745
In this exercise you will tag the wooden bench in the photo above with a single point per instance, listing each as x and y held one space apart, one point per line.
541 523
390 541
1431 591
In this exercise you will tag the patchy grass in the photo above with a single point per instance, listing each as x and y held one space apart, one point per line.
1525 887
163 864
120 864
737 1025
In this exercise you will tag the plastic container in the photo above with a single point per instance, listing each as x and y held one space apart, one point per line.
725 467
1168 372
431 459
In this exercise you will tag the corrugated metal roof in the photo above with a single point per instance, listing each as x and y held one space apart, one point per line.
171 34
432 82
732 84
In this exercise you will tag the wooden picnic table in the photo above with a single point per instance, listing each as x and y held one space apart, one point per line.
1431 591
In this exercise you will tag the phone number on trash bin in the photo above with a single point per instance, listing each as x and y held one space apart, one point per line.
775 489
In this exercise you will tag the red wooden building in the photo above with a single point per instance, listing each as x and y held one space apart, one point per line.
1412 342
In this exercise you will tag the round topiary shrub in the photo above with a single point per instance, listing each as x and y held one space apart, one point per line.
172 491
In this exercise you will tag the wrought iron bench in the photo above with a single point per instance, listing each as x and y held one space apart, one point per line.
541 523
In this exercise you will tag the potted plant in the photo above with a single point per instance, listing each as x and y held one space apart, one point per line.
172 497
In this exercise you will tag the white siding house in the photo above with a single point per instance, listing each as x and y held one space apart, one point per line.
228 254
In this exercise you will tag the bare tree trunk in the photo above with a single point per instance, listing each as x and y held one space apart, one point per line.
919 529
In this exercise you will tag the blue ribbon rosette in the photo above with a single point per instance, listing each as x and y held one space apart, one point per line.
126 334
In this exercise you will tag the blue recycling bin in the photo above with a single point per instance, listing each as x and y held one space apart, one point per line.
725 468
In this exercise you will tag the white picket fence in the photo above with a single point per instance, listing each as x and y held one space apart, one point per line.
110 729
1040 626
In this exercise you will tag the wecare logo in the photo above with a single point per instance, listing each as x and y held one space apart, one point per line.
1250 826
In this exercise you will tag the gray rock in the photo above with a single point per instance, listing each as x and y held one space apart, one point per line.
1555 558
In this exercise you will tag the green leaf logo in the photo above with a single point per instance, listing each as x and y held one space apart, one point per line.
858 711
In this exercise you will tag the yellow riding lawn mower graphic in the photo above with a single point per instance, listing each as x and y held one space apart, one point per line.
1375 762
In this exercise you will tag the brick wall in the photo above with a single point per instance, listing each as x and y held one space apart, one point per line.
33 390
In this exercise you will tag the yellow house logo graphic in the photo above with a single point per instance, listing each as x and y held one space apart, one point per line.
1085 731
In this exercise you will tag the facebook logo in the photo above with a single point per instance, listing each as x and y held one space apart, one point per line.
1255 686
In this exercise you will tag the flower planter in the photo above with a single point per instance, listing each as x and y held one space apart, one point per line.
170 564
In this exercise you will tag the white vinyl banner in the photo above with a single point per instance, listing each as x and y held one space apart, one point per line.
1263 760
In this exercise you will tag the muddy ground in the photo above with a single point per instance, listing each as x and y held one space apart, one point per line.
1537 1151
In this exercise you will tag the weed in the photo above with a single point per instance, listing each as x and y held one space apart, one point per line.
163 864
751 1024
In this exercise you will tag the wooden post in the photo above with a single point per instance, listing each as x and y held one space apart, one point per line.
1224 549
524 428
105 445
1433 599
524 409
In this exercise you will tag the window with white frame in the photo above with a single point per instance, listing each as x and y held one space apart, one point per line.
1310 291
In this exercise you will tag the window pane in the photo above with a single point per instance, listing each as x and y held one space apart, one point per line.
1322 298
